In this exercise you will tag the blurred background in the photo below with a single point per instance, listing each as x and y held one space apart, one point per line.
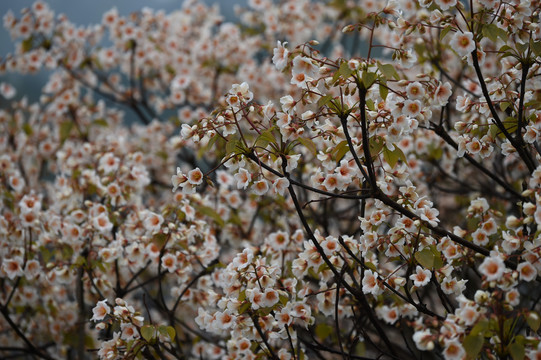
84 13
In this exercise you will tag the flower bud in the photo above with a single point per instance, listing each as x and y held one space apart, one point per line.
348 28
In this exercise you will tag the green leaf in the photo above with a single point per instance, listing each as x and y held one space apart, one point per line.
167 331
67 252
506 51
371 266
162 154
533 103
388 71
522 48
344 71
324 100
210 212
27 43
309 144
28 129
445 31
383 91
425 257
340 150
510 124
370 105
536 47
505 48
45 254
480 327
392 157
504 105
234 146
80 261
517 351
244 307
493 32
160 239
324 331
494 131
148 332
100 122
368 78
438 262
533 320
171 332
473 345
360 349
65 130
376 143
265 138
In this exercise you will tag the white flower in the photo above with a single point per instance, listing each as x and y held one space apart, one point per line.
412 108
178 179
32 269
180 82
442 94
429 215
421 276
13 267
187 131
423 340
102 223
370 283
445 4
169 261
408 59
7 90
492 267
415 90
270 297
260 187
280 54
453 350
108 163
280 185
304 65
527 271
195 176
100 310
462 43
129 331
243 178
479 205
152 221
243 91
301 80
292 162
243 259
287 103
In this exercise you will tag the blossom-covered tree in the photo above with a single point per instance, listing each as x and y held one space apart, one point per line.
329 200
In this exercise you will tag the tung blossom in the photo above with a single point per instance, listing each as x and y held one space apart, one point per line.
421 277
462 43
492 267
100 310
280 54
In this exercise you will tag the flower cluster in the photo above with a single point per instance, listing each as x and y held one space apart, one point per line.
329 198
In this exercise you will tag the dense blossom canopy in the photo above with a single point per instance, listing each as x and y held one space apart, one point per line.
350 180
